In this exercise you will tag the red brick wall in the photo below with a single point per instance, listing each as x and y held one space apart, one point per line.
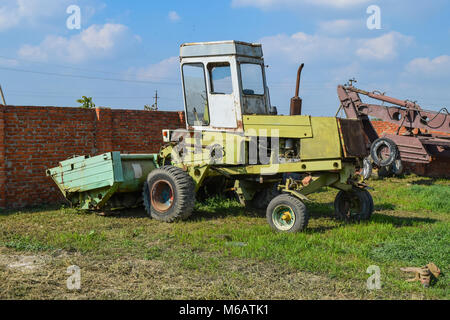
33 139
439 168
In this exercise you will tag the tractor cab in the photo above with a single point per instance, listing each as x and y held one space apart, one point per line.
222 81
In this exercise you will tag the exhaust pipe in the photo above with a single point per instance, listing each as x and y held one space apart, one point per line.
296 101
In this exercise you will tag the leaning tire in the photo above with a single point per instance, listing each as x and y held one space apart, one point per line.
286 213
169 194
397 167
366 171
377 152
355 205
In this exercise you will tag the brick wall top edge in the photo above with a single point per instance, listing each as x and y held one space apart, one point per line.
78 108
41 108
144 111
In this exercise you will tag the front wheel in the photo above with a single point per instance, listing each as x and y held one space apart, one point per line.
356 205
286 213
169 194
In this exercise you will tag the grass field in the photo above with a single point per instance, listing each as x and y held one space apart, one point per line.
228 252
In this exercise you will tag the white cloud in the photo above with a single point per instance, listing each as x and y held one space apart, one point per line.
266 4
329 60
430 67
8 19
165 70
92 43
341 26
384 47
302 47
6 62
173 16
14 13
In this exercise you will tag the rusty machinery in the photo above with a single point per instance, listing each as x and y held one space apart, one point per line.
419 143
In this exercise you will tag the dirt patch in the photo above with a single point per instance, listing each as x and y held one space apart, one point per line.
45 277
23 263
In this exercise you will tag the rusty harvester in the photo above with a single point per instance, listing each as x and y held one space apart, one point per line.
418 144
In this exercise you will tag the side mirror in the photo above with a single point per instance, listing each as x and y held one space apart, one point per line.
273 111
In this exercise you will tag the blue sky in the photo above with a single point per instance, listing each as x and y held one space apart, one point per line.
138 41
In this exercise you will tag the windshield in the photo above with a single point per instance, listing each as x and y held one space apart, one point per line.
197 112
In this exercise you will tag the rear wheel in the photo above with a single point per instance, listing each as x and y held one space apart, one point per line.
355 205
286 213
169 194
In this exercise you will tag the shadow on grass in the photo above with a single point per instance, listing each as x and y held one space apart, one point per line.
425 181
384 206
137 213
30 210
320 210
401 221
322 229
315 210
220 213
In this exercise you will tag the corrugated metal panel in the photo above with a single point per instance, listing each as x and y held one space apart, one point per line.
82 174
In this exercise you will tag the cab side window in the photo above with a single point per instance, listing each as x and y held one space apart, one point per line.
252 79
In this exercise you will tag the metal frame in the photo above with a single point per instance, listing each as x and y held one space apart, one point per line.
415 145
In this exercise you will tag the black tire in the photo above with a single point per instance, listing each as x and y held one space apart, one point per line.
146 198
356 205
372 205
169 194
263 197
297 212
376 150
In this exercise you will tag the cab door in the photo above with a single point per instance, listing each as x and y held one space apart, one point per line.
222 94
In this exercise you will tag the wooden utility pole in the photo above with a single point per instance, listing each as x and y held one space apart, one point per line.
3 97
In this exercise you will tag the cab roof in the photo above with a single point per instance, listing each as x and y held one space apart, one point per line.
221 48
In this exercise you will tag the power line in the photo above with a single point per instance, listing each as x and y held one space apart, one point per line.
59 65
280 84
86 77
69 67
95 97
123 80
